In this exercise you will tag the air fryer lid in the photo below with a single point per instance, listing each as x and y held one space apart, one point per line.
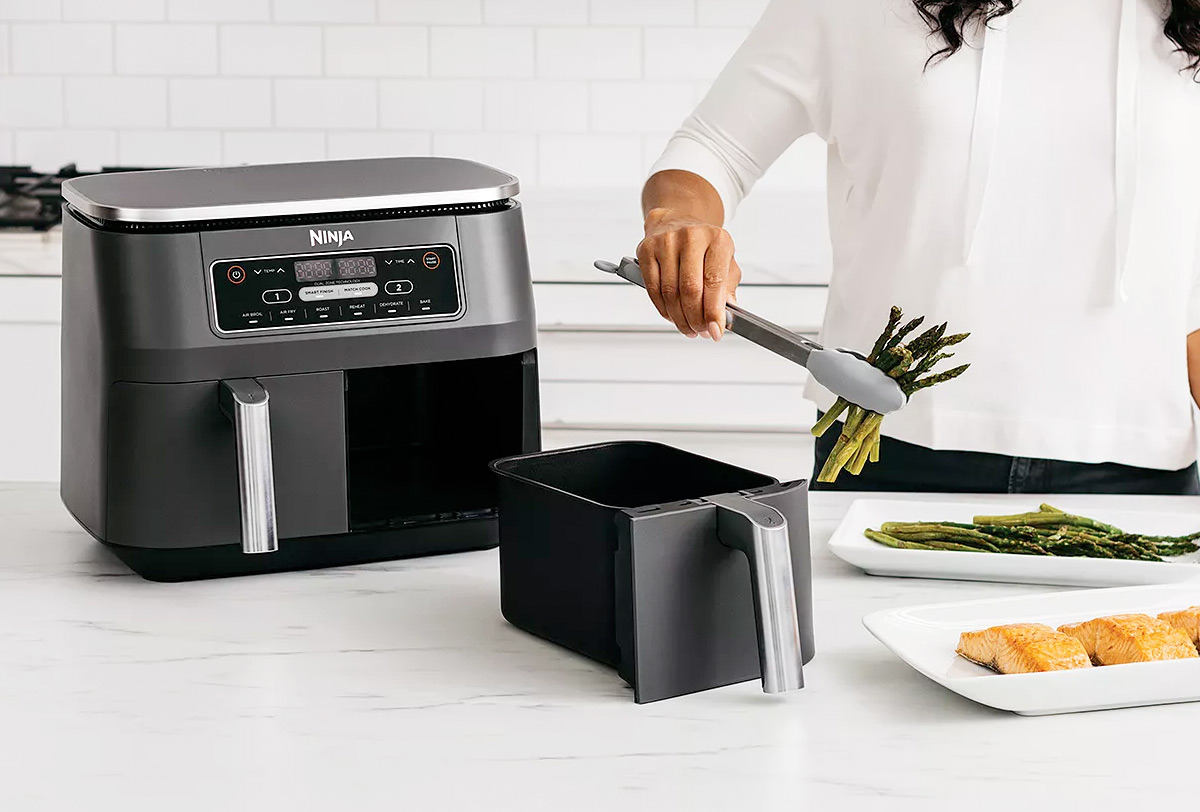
277 190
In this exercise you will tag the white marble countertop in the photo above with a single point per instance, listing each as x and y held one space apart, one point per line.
399 686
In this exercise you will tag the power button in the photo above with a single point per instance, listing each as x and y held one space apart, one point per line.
236 275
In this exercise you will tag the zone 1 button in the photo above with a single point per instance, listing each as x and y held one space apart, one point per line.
398 287
281 296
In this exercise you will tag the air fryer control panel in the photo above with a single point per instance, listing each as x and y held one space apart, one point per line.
336 289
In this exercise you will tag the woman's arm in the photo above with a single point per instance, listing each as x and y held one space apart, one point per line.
1193 356
760 104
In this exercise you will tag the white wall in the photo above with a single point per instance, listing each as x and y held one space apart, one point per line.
564 93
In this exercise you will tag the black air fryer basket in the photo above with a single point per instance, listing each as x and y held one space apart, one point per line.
612 551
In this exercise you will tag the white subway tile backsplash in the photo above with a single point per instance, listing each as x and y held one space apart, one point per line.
114 10
175 49
219 11
326 104
50 49
50 149
377 144
324 11
589 53
376 50
690 53
535 12
437 105
225 103
644 12
168 148
590 160
729 12
431 12
512 153
272 146
116 101
501 53
521 105
638 107
28 101
30 9
560 92
271 50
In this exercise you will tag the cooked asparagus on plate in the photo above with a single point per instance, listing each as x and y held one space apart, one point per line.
911 365
1048 531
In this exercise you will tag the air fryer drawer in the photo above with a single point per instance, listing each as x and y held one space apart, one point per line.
172 471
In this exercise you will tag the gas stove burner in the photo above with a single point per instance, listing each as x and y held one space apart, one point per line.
31 199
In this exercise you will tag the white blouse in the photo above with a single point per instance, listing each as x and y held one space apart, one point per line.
1040 189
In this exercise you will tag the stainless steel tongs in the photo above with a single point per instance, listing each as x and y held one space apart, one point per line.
845 373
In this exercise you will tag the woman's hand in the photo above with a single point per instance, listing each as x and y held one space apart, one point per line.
689 271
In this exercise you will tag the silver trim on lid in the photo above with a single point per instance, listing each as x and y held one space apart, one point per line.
283 190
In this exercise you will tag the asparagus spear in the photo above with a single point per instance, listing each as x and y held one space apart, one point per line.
885 336
891 541
1044 518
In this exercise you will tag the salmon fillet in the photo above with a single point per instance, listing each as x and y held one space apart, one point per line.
1186 621
1023 648
1130 639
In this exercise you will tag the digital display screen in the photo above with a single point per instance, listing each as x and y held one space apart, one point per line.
313 270
359 267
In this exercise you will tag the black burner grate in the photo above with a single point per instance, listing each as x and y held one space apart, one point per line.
30 199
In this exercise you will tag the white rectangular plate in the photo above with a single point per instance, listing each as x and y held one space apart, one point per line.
925 637
849 544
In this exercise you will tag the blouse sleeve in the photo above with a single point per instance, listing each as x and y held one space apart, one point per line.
764 99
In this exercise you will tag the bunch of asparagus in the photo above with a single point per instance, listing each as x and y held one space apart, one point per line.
1049 531
907 363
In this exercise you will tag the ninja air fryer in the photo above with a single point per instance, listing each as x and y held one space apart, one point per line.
281 367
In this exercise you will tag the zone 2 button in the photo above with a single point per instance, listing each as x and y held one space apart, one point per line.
398 287
281 296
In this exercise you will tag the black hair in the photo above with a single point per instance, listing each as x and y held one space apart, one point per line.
949 20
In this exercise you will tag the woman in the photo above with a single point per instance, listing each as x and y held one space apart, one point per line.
1028 171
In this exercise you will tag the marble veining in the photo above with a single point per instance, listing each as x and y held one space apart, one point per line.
400 686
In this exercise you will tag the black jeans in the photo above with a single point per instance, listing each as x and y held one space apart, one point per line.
907 467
